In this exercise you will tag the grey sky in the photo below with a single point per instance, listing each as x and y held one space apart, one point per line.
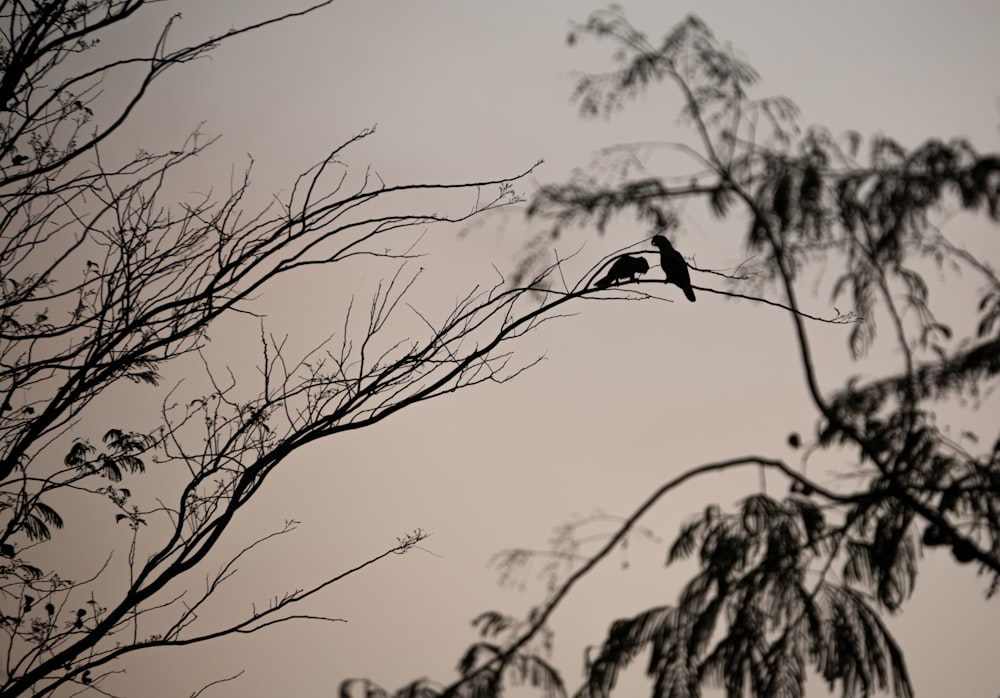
472 90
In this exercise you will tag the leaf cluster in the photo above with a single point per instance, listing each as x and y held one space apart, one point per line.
761 610
789 587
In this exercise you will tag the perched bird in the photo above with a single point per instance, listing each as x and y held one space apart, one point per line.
626 267
674 266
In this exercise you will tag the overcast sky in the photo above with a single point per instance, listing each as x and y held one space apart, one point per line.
629 394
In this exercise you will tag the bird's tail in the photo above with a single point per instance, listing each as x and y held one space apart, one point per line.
689 292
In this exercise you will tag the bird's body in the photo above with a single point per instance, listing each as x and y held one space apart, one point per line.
674 266
626 267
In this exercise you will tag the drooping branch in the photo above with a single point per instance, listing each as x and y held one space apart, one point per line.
39 41
541 616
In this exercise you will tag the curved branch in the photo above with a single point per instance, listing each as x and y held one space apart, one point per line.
540 617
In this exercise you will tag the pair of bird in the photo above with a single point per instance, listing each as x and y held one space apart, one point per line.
673 264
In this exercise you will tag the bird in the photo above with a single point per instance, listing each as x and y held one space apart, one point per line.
674 266
625 267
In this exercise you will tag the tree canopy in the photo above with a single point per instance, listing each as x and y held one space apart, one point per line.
108 280
796 585
112 284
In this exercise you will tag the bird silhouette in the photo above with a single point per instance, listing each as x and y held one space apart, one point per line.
674 266
626 267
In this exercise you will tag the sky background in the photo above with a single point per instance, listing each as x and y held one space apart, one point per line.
629 394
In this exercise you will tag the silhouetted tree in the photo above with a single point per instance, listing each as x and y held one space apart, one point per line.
105 280
789 586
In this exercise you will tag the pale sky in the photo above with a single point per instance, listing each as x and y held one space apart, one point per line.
630 394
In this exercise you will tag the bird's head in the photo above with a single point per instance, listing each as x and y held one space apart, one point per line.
661 243
642 265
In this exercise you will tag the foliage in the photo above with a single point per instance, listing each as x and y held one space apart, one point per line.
769 620
789 587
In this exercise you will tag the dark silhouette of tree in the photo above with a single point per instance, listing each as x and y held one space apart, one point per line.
105 280
796 585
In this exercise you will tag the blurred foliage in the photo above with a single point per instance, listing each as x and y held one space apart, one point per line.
798 586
